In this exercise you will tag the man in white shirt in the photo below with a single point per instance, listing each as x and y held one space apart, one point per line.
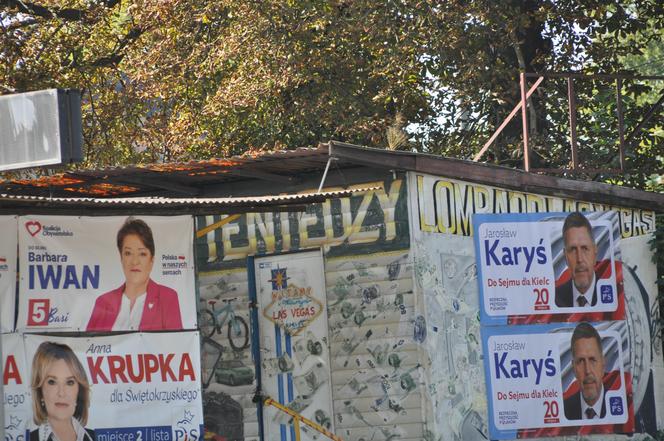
588 365
580 255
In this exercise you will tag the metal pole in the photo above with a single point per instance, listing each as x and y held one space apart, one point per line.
571 103
296 423
524 120
255 344
507 120
621 123
327 168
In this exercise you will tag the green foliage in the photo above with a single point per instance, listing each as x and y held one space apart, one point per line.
656 183
184 79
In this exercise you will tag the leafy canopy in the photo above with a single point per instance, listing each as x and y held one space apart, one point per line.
183 79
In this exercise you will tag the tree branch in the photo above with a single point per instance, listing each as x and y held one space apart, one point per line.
115 58
67 14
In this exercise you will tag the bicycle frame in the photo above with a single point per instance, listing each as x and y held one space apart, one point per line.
226 310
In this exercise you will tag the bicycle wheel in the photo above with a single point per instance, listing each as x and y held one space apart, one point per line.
206 323
238 333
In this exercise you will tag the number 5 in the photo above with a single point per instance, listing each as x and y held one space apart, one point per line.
38 312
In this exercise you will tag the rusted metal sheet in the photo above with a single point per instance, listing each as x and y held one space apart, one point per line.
276 172
213 204
500 176
187 179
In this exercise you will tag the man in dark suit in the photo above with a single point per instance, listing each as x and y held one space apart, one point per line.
588 363
580 254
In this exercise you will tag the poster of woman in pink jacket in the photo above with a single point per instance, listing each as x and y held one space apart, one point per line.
139 303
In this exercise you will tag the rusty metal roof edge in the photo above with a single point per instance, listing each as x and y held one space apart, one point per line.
498 176
155 167
248 156
294 197
106 175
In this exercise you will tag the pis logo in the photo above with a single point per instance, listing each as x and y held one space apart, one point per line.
183 430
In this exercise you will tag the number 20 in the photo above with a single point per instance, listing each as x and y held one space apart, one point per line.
551 409
542 296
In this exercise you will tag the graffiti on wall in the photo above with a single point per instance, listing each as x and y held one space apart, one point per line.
292 307
228 371
447 206
373 287
370 221
444 273
446 278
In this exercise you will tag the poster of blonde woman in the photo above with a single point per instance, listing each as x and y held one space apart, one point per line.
60 395
116 387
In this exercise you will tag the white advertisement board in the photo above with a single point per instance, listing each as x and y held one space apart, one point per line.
138 386
293 328
100 274
542 379
530 271
7 272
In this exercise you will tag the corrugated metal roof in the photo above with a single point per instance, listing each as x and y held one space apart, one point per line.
217 203
277 171
184 178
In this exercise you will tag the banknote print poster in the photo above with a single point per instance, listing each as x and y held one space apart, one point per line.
138 386
558 379
77 272
549 267
293 328
7 272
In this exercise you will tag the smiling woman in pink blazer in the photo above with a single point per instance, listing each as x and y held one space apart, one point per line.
140 303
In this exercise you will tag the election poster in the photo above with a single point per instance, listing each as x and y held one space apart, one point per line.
558 379
133 387
17 404
549 267
7 272
293 327
90 273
